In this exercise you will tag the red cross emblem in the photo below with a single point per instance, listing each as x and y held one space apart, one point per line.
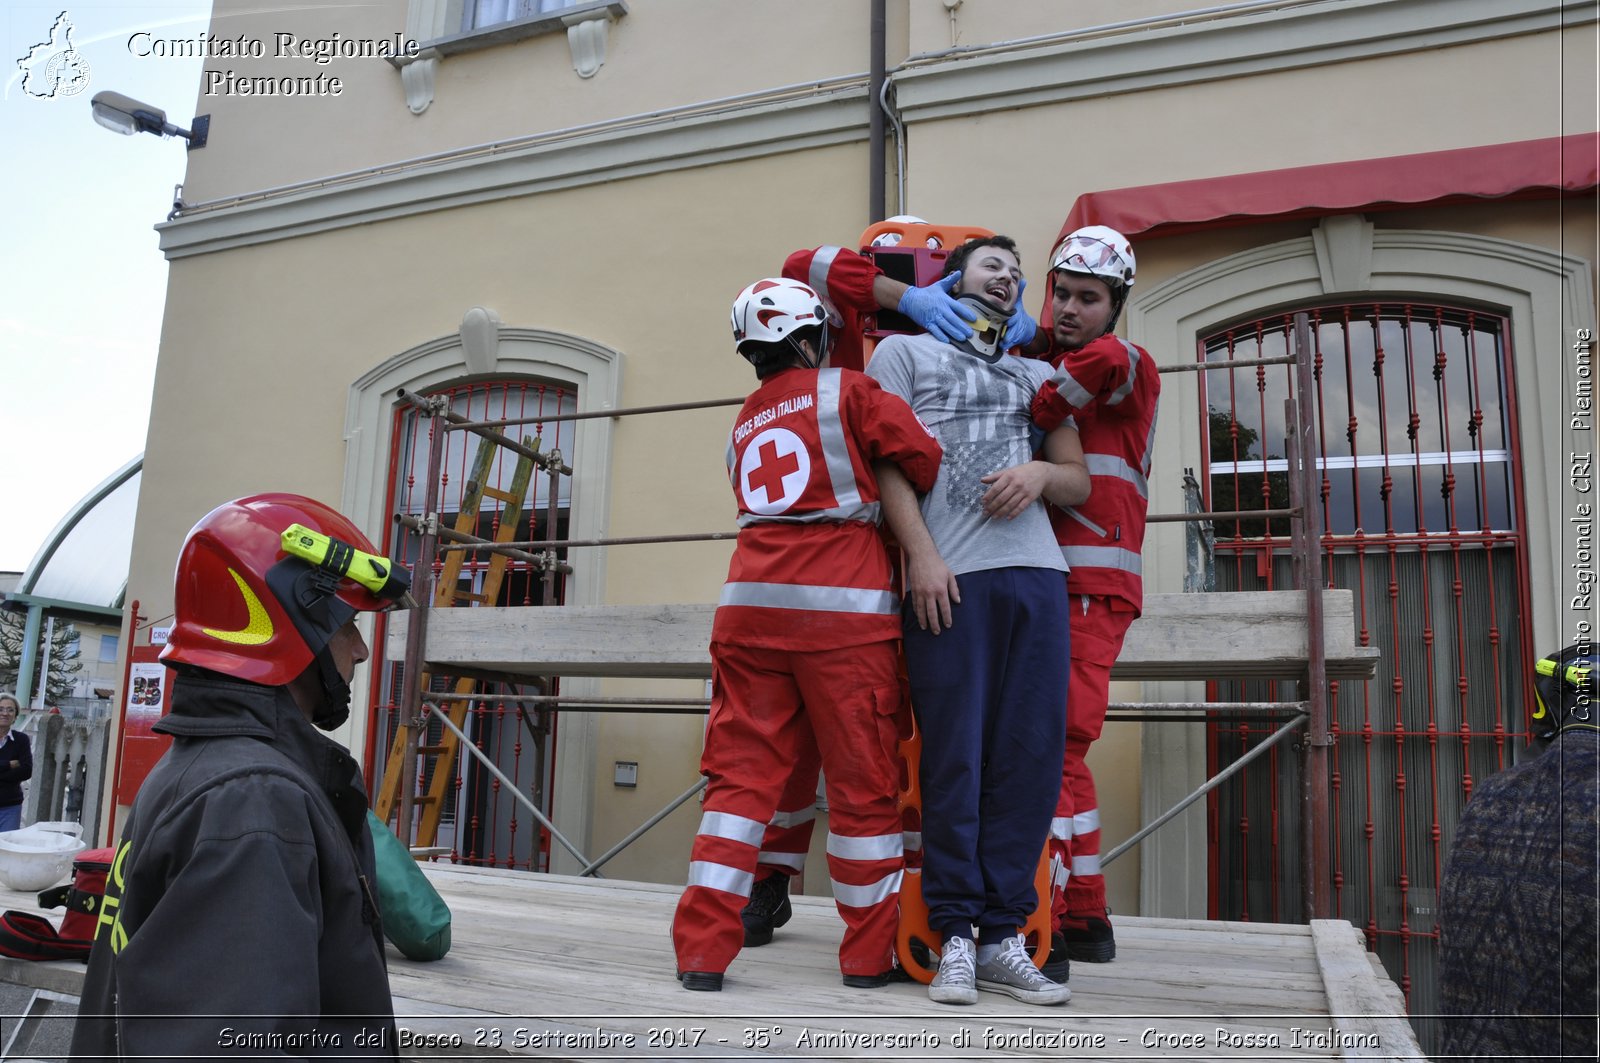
768 476
774 471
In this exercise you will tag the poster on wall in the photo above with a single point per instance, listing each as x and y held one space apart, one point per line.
145 689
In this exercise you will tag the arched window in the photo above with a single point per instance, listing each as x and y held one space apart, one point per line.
489 492
1412 416
491 374
1415 427
1440 417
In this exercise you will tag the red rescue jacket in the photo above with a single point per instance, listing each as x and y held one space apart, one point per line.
1112 388
810 571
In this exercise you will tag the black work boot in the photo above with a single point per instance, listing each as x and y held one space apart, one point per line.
701 981
1088 938
767 909
1058 965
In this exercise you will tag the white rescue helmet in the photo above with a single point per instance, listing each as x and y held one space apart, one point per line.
773 310
1099 251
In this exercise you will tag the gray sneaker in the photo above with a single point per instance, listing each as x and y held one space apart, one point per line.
957 966
1012 971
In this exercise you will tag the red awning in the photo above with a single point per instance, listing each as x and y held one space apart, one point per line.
1527 169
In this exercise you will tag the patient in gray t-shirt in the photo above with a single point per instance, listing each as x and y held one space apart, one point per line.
978 410
987 632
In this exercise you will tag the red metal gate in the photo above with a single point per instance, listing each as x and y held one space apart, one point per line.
480 824
1422 501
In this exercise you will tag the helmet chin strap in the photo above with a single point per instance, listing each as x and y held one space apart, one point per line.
335 707
987 331
822 348
1119 300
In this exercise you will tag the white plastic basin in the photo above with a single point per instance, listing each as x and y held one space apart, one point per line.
58 826
35 859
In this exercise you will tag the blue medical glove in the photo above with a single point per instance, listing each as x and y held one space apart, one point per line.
1021 327
934 309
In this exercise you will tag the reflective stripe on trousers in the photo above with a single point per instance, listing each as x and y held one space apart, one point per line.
820 599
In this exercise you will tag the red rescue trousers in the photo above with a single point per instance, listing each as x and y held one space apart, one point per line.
1099 625
767 707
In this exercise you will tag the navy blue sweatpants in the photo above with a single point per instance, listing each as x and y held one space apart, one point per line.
990 695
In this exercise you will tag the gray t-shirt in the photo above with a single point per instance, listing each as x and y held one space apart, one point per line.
979 412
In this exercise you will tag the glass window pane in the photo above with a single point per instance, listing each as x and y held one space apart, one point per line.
478 14
1413 388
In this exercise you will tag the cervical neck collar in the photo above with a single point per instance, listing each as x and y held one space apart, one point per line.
987 330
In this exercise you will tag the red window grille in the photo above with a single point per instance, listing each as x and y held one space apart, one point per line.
480 824
1415 421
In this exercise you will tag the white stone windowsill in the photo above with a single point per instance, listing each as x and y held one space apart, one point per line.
586 26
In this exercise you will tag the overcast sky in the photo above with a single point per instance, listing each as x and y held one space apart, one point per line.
83 283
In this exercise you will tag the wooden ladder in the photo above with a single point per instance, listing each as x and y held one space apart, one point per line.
438 761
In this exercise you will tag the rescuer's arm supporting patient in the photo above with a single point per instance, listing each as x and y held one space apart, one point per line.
930 584
888 292
1060 477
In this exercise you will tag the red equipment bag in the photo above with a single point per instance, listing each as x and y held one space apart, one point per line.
31 937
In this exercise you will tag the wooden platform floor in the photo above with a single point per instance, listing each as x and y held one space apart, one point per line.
552 967
558 956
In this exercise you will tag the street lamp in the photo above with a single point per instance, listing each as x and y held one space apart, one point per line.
125 115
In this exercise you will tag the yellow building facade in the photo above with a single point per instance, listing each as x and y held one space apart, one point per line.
573 196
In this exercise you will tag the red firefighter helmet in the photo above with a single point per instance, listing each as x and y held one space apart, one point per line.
254 603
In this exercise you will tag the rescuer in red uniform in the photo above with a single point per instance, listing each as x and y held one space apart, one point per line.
804 643
1111 387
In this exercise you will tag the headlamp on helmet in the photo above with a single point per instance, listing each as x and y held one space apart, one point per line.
1566 687
336 560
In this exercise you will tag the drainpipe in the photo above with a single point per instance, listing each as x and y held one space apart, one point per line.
43 692
876 139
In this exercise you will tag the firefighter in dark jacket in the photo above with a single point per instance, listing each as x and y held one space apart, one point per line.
1519 925
240 916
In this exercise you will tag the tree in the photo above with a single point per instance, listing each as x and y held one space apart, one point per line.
64 663
1232 492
